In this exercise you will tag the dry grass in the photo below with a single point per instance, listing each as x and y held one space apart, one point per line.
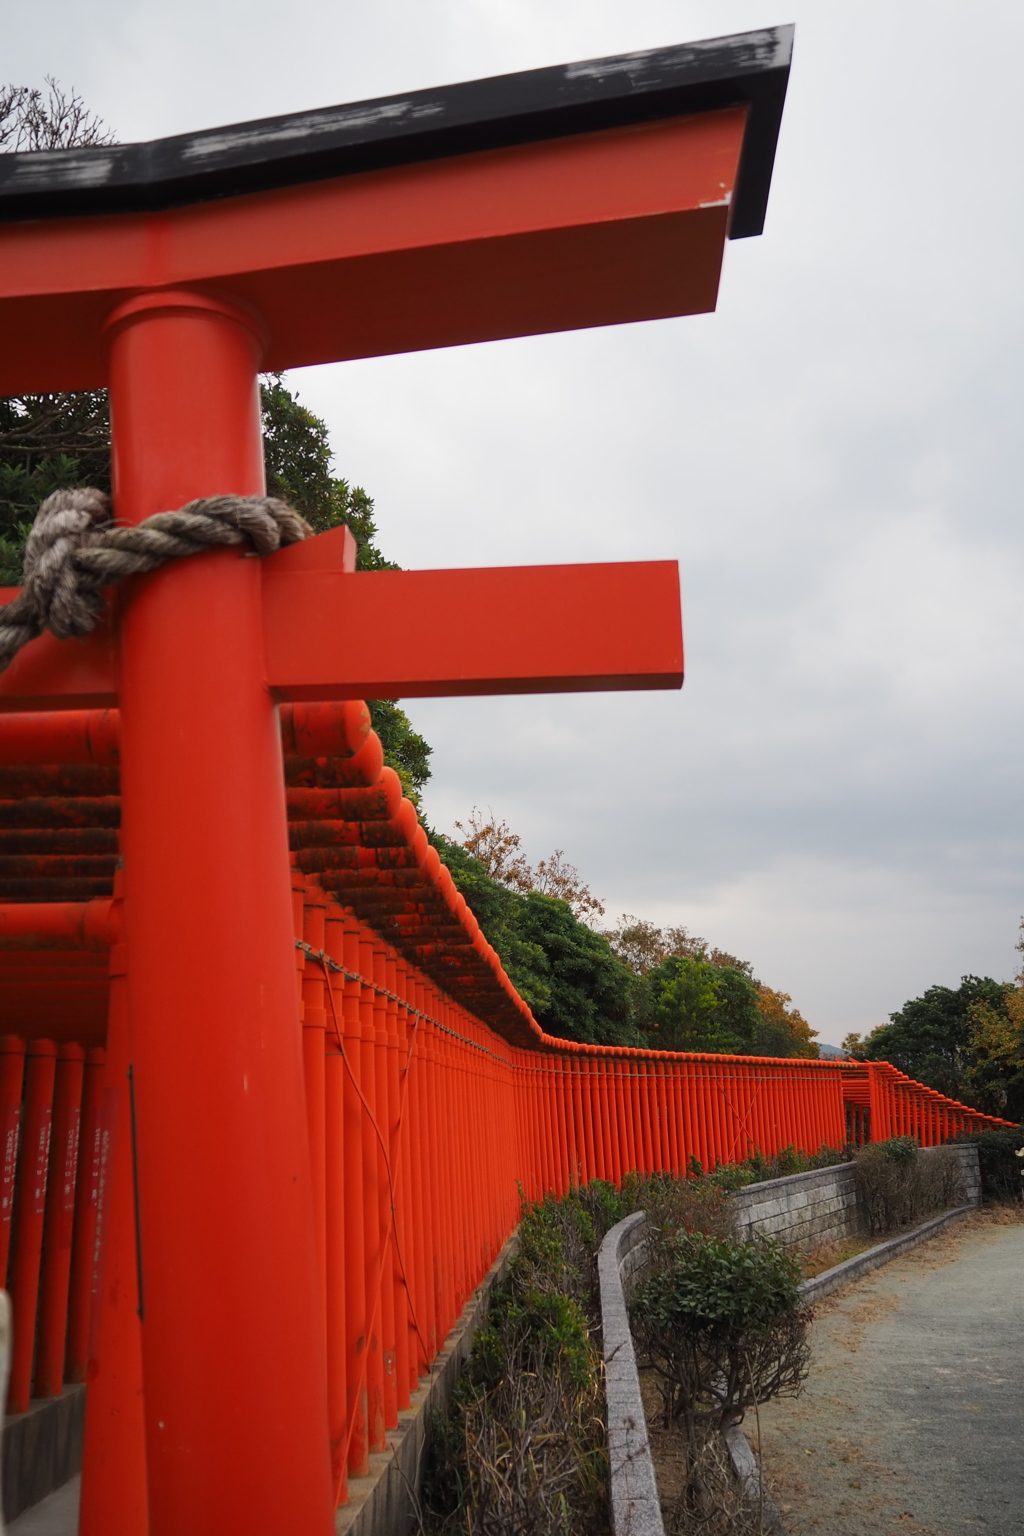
680 1465
815 1261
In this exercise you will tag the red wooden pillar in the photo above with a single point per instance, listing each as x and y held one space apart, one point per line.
60 1219
114 1490
335 1194
400 1258
343 946
314 1024
12 1078
419 1170
236 1398
87 1194
28 1237
373 1363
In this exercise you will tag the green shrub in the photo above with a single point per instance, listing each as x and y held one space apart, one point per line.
997 1158
522 1449
757 1168
897 1186
721 1323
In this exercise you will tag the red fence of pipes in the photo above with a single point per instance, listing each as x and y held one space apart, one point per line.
424 1124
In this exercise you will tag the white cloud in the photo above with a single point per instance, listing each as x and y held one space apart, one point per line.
832 456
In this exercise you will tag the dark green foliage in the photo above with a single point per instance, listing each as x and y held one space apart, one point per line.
523 1447
1002 1171
497 909
46 441
720 1322
50 441
405 749
929 1038
297 455
757 1169
699 1006
570 976
593 997
522 1450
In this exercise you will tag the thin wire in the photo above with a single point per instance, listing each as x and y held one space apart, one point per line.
392 1226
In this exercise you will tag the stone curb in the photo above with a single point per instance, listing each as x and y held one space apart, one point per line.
864 1263
635 1506
633 1491
744 1462
748 1474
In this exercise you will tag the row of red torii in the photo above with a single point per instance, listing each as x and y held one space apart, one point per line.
172 273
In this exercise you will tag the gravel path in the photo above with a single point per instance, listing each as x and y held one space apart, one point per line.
912 1417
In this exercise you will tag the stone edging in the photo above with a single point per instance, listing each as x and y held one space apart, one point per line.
744 1462
864 1263
633 1491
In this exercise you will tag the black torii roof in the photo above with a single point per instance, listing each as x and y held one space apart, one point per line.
750 68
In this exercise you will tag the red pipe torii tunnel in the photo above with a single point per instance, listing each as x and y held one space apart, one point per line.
250 1278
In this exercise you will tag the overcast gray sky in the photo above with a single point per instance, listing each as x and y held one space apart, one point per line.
832 456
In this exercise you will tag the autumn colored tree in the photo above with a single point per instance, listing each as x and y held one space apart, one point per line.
703 998
784 1031
569 974
499 850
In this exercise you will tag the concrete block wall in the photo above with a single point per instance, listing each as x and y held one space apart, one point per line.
970 1170
821 1207
803 1210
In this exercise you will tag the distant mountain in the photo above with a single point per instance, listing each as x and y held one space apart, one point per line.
832 1052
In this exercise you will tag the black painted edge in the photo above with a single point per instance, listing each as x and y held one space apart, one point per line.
748 68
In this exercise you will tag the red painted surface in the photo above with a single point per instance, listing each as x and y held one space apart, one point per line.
312 1219
596 229
29 1214
529 629
60 1216
235 1430
383 634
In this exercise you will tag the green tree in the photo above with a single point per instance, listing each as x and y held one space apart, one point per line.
931 1037
298 459
594 998
698 1006
572 979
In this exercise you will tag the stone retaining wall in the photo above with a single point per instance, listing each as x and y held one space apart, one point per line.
803 1210
821 1207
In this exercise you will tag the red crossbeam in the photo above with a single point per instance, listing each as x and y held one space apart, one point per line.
596 229
389 635
516 629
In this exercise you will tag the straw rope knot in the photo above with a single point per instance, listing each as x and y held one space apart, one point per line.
75 550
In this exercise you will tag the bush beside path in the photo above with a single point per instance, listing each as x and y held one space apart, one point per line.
910 1418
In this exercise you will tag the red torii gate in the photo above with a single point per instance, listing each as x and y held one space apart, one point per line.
589 194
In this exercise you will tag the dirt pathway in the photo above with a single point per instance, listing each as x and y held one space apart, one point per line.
912 1419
